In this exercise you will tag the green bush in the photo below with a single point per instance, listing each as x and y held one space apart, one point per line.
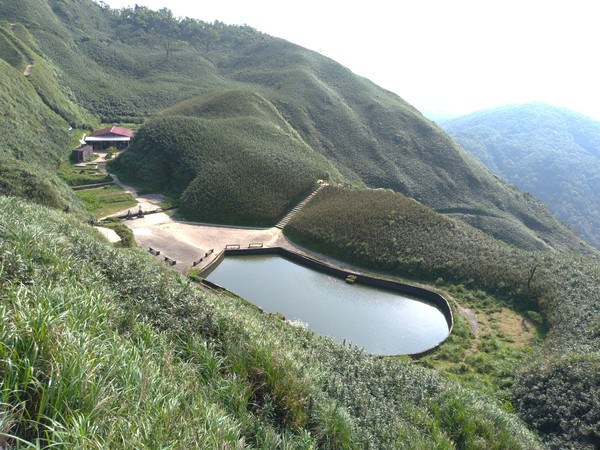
559 397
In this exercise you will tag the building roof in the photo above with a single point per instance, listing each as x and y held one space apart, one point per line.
125 132
107 139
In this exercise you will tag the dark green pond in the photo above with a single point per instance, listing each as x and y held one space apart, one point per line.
382 322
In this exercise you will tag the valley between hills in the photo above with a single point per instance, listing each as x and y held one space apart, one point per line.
103 345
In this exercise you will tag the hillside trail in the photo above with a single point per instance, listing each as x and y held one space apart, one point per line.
471 318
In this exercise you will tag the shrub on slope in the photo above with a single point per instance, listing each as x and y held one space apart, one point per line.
559 397
106 348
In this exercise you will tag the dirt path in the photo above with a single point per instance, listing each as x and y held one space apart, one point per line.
470 316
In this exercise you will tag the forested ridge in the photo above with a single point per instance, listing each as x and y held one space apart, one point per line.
551 152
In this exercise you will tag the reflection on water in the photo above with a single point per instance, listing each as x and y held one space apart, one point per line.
382 322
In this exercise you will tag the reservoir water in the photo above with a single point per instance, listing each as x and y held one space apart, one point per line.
380 321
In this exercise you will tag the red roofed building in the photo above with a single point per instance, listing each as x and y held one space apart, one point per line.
117 137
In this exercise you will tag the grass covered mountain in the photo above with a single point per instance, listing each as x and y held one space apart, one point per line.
131 64
230 157
102 347
551 152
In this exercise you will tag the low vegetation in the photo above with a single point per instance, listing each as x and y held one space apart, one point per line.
106 348
385 231
77 175
488 345
105 200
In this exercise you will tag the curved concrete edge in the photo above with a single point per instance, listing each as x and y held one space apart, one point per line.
414 291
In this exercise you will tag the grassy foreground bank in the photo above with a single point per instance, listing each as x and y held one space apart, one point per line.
105 348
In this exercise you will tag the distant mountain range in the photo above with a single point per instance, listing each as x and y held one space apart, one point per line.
550 152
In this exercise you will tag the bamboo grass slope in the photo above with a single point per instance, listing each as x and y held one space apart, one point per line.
106 348
401 236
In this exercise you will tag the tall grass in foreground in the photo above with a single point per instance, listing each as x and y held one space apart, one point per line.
106 348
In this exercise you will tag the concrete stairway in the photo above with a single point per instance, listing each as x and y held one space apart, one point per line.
283 222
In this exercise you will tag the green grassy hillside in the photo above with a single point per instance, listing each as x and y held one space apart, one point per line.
106 348
230 158
33 142
132 63
387 232
19 49
551 152
38 110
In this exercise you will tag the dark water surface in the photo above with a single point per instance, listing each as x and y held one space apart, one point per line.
380 321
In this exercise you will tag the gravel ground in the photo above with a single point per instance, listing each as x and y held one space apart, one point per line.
185 242
111 235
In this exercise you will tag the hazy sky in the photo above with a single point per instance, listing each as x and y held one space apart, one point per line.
454 56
